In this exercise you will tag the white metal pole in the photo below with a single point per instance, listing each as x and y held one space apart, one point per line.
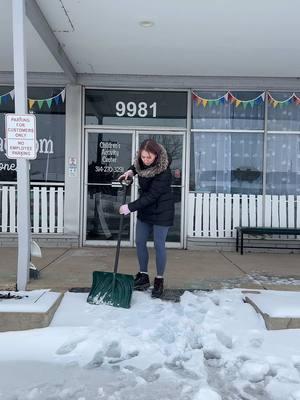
20 83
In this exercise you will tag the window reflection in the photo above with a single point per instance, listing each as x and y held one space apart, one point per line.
49 108
103 216
226 162
109 155
283 164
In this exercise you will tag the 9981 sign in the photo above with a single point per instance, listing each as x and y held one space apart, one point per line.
132 109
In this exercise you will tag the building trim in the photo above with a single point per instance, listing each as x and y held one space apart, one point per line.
36 79
159 82
188 82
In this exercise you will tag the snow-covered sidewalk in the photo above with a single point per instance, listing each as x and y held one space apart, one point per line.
210 346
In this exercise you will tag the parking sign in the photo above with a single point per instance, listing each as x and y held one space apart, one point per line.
20 132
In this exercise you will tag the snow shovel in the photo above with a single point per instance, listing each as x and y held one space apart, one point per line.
113 288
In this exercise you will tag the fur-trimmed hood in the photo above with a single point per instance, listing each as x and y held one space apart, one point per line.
160 165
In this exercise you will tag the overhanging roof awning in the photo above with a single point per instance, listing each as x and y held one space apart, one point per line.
86 39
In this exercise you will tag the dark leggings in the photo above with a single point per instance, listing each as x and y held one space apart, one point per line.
143 231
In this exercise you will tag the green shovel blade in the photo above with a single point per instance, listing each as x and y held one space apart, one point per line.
111 288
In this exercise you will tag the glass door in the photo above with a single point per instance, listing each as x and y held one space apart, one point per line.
108 154
175 145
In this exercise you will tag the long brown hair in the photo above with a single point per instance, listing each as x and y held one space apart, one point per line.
150 146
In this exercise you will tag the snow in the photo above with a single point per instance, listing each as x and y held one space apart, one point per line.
207 394
36 301
210 346
254 371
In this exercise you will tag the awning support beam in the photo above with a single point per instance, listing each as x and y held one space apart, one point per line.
40 24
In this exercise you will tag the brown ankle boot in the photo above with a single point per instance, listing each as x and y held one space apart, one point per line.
141 281
158 288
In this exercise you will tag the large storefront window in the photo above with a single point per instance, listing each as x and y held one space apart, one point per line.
227 161
49 106
135 108
283 164
283 149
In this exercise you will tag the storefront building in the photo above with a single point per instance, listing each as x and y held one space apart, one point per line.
235 160
234 144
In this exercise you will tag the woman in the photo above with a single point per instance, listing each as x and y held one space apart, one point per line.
155 207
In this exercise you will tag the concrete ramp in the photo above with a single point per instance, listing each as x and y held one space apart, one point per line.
27 310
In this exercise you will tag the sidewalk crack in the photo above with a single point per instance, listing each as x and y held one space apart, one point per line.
244 272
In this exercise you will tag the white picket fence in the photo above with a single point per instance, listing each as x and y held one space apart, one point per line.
47 209
215 215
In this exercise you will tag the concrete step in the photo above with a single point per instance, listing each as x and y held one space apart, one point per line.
279 309
27 309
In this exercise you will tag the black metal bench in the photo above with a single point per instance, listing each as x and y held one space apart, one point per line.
262 230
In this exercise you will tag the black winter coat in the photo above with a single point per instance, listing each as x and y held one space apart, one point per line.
155 204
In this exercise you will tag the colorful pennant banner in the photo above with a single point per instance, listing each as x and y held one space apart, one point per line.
292 99
210 102
58 99
245 103
229 97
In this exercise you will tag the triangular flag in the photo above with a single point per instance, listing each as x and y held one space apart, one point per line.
0 99
204 102
198 101
49 102
261 99
40 103
63 94
237 102
245 103
275 103
252 103
12 94
31 103
297 100
57 99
